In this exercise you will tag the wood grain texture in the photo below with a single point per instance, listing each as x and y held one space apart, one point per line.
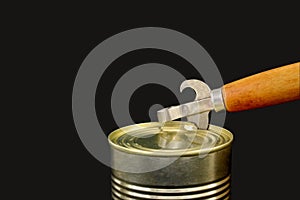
268 88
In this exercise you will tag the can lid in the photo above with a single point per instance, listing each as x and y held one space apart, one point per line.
173 138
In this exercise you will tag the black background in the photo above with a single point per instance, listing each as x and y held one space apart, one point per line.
57 165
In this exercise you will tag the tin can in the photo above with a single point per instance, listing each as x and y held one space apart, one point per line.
174 160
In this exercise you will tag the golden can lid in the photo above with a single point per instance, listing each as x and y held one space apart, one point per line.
173 138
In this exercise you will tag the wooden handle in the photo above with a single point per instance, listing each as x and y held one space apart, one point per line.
268 88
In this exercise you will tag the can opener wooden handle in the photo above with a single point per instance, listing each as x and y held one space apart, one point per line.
275 86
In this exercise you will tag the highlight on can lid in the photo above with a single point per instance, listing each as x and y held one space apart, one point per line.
173 138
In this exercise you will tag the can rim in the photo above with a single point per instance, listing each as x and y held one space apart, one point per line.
167 153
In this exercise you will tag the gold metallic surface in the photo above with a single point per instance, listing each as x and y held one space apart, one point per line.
198 162
125 139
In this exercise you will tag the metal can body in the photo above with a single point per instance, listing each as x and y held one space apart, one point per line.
171 174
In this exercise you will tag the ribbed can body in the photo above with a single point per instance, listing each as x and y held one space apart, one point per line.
203 175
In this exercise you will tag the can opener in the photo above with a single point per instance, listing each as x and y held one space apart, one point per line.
275 86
